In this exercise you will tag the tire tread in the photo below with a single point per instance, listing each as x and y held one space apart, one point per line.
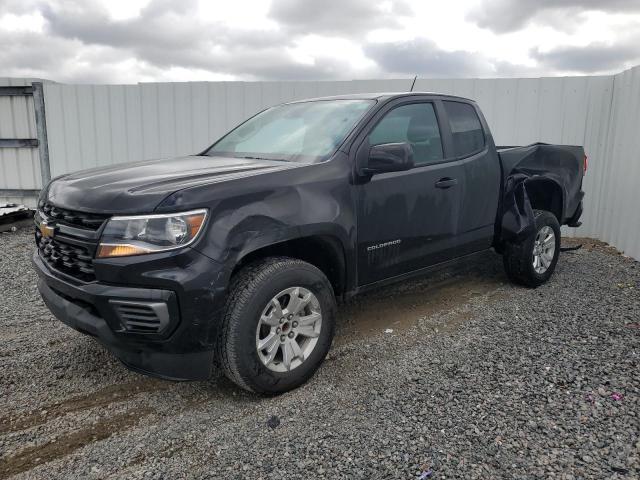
242 287
516 259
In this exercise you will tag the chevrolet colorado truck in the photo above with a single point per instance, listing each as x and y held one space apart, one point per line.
239 255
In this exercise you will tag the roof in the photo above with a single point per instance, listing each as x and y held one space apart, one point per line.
377 96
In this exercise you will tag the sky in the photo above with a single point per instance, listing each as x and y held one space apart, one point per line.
130 41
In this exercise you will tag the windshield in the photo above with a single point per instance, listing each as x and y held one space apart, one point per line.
298 132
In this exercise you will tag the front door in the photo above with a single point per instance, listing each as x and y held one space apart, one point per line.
408 220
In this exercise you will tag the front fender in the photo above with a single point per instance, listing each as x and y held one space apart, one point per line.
252 241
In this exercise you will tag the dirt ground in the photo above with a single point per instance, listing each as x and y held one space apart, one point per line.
69 409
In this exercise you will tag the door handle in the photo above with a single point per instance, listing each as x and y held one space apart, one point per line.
446 182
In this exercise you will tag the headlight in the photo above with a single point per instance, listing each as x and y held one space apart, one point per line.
142 234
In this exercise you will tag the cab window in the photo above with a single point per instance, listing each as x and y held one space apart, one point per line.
468 137
415 124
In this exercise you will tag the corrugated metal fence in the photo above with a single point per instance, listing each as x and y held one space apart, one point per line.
94 125
614 215
19 167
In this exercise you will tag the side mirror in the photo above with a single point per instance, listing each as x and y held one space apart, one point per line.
389 157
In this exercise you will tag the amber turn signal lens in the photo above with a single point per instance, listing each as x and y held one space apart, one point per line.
195 222
119 250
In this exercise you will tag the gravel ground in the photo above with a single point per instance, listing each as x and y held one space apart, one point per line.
478 379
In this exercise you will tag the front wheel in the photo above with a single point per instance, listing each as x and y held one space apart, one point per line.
278 325
532 261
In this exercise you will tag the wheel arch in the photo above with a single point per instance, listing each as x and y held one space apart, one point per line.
546 194
324 251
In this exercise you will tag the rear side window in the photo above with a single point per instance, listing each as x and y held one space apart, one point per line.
468 137
416 124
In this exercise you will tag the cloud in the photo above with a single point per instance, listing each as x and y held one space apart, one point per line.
162 25
507 16
592 58
338 17
17 51
166 35
166 40
18 6
91 24
424 57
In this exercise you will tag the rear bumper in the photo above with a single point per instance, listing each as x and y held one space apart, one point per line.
181 350
574 221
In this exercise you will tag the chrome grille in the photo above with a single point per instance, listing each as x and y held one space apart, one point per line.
73 260
72 247
73 218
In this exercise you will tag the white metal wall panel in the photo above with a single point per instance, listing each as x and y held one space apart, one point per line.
19 167
94 125
596 127
618 218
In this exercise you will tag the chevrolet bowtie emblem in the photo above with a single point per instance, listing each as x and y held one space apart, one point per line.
46 230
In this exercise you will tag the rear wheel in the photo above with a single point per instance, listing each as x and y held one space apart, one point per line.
532 261
278 325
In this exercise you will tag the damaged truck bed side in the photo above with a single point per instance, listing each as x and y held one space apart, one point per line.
239 254
547 176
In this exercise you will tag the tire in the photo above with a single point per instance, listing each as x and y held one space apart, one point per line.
250 305
519 257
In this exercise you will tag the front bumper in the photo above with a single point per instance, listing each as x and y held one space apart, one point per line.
181 287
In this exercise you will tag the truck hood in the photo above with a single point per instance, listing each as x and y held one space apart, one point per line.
140 187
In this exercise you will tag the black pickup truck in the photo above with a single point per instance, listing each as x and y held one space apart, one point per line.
238 256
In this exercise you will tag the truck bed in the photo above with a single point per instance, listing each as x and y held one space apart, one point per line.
558 166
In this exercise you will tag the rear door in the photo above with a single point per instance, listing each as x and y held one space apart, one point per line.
470 143
408 220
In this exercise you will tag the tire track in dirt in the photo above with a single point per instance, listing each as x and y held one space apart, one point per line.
403 310
100 398
29 458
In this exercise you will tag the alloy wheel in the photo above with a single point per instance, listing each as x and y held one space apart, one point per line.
544 248
288 329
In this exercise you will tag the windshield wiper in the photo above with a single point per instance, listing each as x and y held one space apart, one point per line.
263 158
